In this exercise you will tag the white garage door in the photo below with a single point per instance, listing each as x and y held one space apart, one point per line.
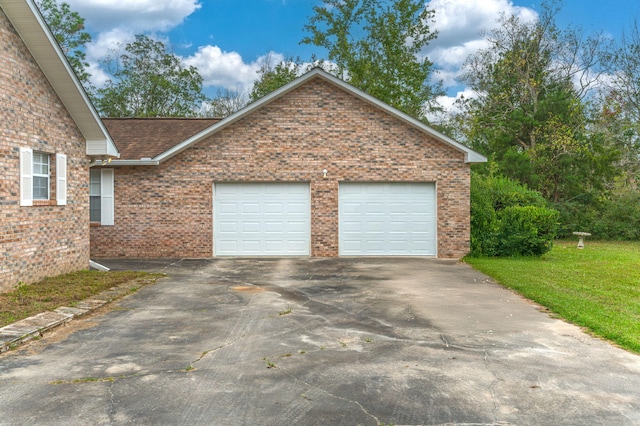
261 219
381 219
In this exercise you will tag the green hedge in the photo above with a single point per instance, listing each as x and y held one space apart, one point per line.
526 231
507 219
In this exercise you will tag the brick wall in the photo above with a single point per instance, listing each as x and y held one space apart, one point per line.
166 211
42 240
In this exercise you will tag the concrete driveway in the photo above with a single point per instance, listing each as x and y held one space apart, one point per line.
319 341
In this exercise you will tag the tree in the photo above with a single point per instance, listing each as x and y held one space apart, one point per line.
619 114
376 46
272 77
150 82
68 29
529 115
224 104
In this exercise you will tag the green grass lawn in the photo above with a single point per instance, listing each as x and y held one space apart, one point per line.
65 290
597 288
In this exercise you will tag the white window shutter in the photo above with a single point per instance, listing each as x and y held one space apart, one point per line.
26 177
61 179
106 189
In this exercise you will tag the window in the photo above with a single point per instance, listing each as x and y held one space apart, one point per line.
40 179
101 196
95 196
40 176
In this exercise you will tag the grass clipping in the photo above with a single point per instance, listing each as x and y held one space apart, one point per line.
27 300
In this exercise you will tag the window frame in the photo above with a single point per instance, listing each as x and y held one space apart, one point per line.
106 196
56 178
95 174
36 176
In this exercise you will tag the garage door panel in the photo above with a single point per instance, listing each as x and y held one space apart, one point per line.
351 226
229 245
297 227
273 245
387 219
249 208
247 188
226 227
250 227
231 208
297 245
299 208
261 219
273 208
250 246
375 226
273 227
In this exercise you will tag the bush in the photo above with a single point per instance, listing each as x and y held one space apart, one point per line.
620 218
526 231
484 220
614 218
507 219
577 215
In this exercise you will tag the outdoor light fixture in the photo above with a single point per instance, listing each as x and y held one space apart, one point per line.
324 173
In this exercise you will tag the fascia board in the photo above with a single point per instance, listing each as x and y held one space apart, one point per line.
28 21
471 156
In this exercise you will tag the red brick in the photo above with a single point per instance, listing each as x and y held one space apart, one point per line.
42 240
166 210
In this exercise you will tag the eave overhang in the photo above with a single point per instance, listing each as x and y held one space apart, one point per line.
30 25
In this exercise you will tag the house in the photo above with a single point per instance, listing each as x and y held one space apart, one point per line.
49 134
316 168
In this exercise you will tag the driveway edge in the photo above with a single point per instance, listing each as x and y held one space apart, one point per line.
13 335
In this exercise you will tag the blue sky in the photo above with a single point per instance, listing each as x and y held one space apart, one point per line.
228 39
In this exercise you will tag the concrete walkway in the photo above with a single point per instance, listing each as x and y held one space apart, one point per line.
320 341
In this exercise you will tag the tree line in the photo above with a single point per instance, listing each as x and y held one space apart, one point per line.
555 110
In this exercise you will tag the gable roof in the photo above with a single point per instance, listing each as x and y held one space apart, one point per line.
471 156
29 23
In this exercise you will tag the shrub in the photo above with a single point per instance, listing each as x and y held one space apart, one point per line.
507 219
484 221
614 218
620 217
526 231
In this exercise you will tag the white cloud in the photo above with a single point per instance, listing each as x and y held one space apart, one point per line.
460 24
98 76
134 15
108 42
115 24
227 69
449 104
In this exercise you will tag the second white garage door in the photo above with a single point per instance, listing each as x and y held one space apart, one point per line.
382 219
262 219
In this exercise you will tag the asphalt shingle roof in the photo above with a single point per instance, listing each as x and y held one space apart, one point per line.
138 138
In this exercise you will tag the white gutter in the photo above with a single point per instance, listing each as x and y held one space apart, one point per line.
140 162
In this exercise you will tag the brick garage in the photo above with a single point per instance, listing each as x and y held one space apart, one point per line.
165 208
40 237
